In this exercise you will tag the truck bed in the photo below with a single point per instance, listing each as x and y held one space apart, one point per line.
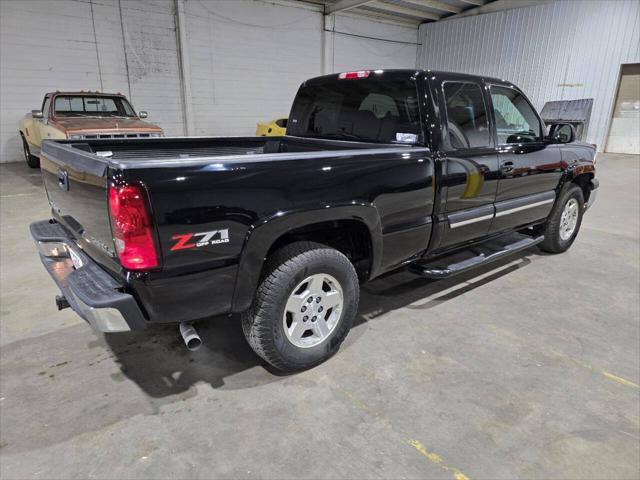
184 148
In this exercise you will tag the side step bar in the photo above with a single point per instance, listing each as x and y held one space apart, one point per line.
441 268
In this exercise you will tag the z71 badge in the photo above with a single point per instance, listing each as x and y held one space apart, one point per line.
196 240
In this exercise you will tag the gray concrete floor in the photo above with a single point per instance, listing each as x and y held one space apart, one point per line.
529 369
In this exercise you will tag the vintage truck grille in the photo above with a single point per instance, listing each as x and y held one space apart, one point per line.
113 135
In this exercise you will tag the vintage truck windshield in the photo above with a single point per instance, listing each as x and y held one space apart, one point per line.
364 109
86 106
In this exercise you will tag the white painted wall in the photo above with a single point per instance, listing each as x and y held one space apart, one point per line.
563 50
48 45
246 57
353 51
247 61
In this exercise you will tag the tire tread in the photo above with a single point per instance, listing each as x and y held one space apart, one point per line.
257 323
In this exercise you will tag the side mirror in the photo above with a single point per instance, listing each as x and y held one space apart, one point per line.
562 133
37 114
143 114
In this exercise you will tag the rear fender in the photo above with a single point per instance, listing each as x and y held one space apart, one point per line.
263 236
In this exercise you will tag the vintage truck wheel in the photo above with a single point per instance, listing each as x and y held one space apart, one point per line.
304 307
32 161
564 221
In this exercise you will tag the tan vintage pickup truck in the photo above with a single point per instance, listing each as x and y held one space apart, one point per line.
80 115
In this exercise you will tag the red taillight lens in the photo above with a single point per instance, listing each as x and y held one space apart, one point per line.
131 228
354 75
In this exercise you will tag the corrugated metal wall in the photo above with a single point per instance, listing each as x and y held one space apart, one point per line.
563 50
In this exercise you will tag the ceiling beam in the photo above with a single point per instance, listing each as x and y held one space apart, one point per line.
474 2
435 4
381 17
343 5
392 7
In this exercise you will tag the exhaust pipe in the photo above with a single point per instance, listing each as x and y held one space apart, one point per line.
190 336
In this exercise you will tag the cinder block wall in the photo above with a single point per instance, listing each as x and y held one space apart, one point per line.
246 57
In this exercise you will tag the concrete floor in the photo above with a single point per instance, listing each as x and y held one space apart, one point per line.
530 369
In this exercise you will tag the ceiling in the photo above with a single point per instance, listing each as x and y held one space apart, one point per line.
400 11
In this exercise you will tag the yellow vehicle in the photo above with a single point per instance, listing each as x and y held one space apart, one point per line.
274 128
79 115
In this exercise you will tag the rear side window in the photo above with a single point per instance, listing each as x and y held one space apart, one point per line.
366 109
467 122
516 121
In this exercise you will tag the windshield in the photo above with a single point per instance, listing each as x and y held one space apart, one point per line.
87 106
366 109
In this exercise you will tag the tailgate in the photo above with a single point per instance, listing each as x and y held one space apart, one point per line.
76 185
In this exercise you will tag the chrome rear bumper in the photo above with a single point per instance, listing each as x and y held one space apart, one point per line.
90 291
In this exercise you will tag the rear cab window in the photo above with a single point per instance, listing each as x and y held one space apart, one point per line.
371 109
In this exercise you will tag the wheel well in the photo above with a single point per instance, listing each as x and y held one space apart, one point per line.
583 181
350 237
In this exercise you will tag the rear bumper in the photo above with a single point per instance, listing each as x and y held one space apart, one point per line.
91 292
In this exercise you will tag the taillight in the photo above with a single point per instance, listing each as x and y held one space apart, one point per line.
354 75
131 227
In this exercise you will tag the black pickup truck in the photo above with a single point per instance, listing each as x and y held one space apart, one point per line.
436 172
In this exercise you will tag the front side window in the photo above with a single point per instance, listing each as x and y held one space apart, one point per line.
368 109
516 121
467 122
78 105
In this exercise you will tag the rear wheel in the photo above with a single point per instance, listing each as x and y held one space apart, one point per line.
565 219
303 308
32 160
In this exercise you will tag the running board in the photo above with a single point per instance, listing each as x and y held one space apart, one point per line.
484 253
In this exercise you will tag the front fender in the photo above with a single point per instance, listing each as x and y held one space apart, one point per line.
576 169
262 236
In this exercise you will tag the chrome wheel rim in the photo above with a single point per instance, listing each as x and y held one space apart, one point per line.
313 310
26 151
569 219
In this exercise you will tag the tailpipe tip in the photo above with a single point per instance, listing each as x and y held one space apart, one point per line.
190 336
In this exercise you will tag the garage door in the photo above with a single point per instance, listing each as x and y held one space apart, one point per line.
624 135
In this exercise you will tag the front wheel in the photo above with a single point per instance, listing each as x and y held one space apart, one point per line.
32 160
304 307
564 221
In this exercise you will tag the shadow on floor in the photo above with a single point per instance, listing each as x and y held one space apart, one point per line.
158 362
88 389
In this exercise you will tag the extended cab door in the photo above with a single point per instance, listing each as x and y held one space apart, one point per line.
530 168
470 169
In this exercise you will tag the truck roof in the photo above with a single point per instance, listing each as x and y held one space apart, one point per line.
406 73
85 92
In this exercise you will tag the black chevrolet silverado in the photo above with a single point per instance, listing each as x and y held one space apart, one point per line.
431 171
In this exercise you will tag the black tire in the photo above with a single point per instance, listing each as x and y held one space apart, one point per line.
32 160
553 241
264 322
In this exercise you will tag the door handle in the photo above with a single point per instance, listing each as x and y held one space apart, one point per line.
507 167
